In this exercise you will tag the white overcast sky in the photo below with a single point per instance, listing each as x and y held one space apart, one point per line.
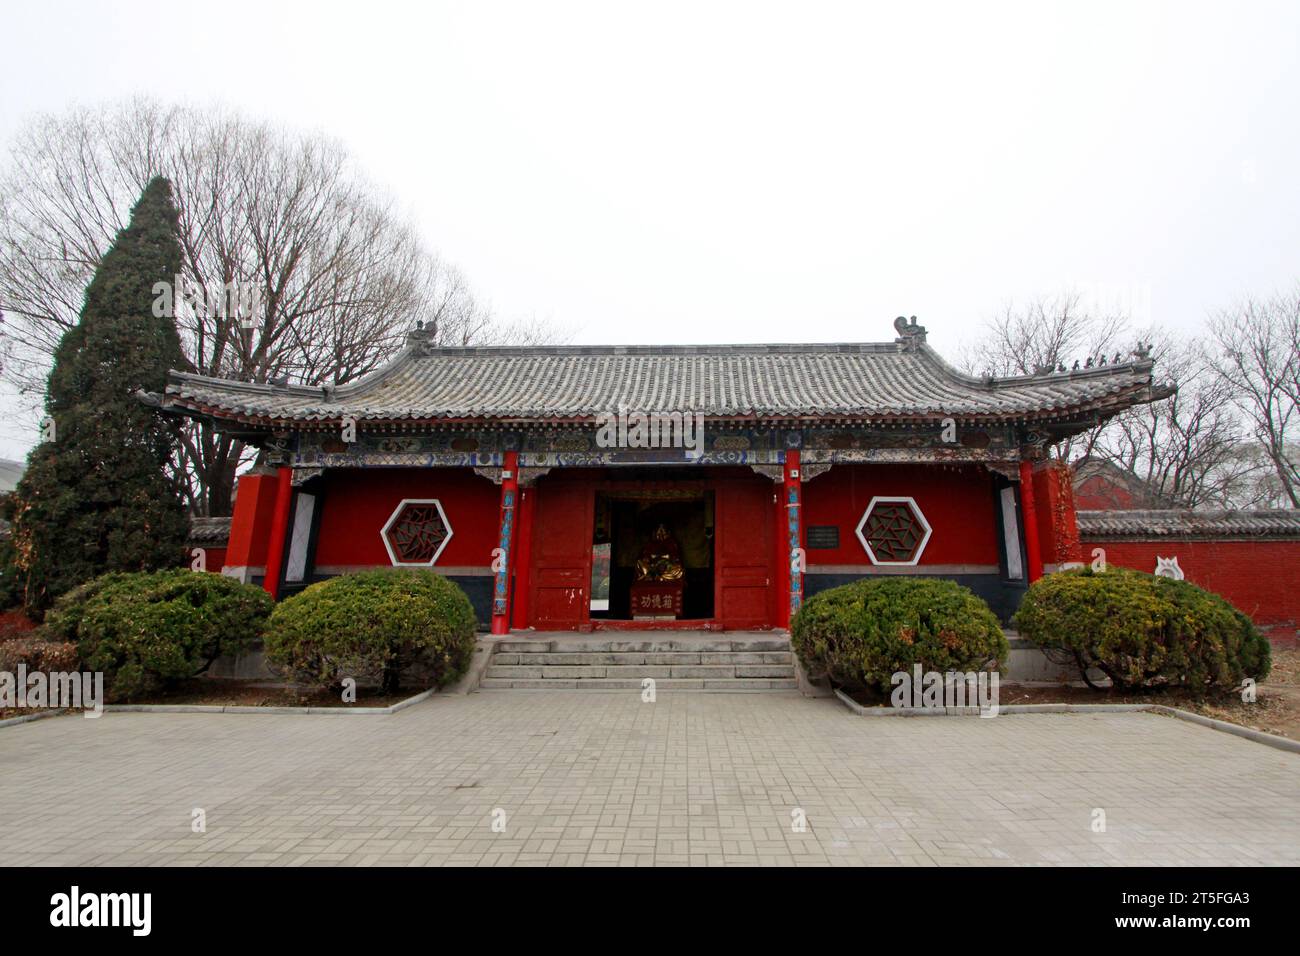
710 172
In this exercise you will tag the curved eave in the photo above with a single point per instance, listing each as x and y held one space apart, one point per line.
1109 405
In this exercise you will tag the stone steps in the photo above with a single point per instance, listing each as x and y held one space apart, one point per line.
677 662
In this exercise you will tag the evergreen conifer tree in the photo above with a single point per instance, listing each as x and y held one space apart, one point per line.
99 493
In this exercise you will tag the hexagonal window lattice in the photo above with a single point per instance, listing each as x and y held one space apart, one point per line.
893 531
416 532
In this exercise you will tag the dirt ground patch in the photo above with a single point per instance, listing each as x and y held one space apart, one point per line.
1275 711
213 692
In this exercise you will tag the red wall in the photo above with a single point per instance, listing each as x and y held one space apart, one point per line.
1252 575
957 502
355 505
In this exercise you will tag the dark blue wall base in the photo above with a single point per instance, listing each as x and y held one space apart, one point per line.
479 591
1002 596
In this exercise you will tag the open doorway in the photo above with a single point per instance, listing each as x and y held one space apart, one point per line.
652 555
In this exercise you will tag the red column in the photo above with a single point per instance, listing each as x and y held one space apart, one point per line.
793 535
1029 518
502 557
279 530
523 556
1058 530
781 560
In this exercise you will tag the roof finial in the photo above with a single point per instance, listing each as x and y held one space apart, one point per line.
418 335
909 333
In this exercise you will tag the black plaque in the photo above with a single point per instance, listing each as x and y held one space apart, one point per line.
823 537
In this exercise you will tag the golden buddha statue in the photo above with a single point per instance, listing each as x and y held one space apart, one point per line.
660 558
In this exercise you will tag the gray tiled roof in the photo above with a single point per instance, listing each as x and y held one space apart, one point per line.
1195 524
209 530
574 382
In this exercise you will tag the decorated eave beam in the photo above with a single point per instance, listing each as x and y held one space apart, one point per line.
725 442
1062 422
227 420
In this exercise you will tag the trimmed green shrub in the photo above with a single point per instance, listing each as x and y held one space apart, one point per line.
861 634
377 627
63 621
1144 631
147 629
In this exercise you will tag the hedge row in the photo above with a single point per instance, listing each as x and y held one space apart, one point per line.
1141 631
374 627
860 634
1144 631
147 631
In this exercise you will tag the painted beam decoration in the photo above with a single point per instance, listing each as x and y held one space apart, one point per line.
577 446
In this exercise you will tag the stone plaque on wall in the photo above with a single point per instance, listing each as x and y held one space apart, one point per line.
823 537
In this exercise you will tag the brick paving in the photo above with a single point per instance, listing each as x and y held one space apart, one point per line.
597 778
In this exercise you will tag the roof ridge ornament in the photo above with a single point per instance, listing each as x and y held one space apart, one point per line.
909 333
419 336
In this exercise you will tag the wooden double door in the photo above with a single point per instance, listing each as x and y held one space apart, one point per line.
743 552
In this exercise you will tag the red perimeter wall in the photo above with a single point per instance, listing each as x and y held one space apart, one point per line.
1257 577
214 558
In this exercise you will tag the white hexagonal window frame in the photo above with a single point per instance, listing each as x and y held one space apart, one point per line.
916 511
392 518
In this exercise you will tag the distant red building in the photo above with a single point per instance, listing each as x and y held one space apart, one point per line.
1101 485
815 465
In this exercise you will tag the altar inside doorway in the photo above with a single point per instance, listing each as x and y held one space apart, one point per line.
652 555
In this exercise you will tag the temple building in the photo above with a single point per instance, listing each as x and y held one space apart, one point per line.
700 487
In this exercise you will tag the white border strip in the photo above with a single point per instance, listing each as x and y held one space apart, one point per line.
249 709
1258 736
28 718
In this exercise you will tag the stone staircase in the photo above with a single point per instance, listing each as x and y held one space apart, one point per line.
677 661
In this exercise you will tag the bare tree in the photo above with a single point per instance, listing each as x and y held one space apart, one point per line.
1043 333
1046 333
1188 447
1192 447
1259 357
339 276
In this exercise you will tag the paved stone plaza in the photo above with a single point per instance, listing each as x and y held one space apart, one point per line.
588 777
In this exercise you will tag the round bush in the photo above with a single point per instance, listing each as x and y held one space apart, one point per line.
1144 631
147 629
63 621
377 627
861 634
